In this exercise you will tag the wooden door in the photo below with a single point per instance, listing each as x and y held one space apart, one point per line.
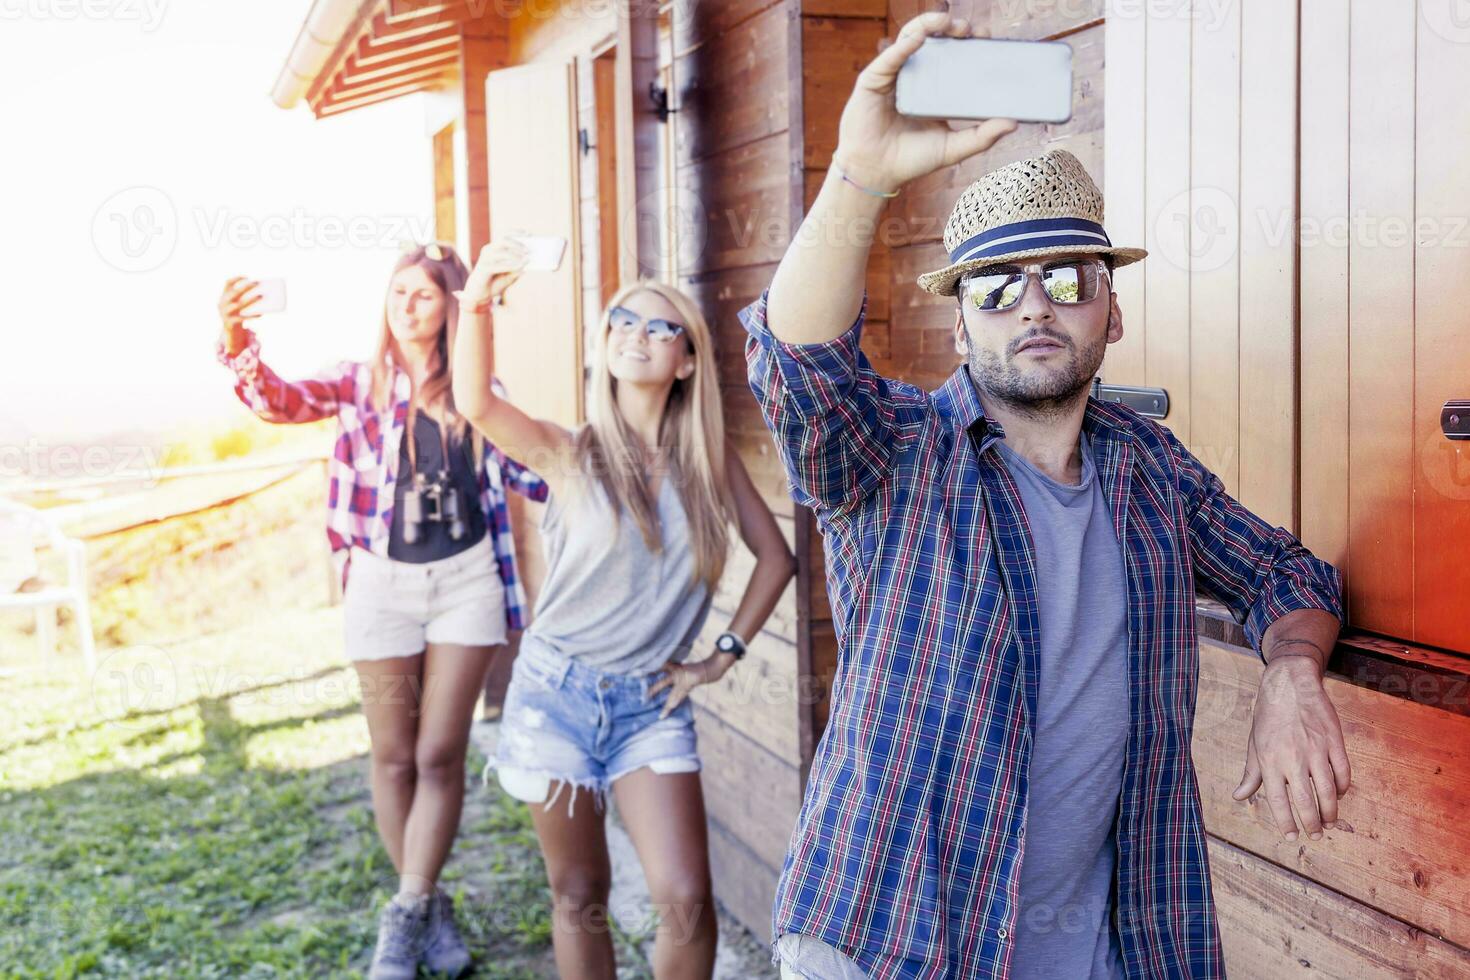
1385 292
1200 169
531 132
1305 204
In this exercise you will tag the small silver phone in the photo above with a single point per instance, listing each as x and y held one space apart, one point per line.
543 252
987 78
272 296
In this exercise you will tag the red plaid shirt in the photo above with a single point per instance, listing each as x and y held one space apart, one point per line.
364 466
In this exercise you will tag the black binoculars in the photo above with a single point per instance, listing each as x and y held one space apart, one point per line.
437 501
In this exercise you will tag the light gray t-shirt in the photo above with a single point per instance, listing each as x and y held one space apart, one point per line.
1064 926
608 601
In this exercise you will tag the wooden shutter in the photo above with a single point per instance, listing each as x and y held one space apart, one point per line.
531 132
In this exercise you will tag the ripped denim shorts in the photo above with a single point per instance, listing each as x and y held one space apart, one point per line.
565 724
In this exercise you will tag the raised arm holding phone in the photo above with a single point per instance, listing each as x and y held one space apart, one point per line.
416 513
636 532
1013 567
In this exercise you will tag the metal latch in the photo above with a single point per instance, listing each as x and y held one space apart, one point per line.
1151 403
1454 420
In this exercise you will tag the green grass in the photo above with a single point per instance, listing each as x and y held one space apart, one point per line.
201 810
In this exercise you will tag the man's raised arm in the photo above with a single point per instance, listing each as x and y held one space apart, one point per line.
818 287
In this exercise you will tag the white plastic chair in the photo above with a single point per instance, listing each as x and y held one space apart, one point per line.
25 528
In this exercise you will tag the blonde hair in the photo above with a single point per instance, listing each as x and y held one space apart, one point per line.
691 440
449 274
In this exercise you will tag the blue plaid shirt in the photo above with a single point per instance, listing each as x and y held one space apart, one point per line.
907 850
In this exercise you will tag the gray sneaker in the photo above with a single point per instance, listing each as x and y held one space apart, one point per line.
403 932
446 952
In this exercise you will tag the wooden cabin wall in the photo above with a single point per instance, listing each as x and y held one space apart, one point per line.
731 162
838 38
1297 382
1386 893
1209 315
1383 325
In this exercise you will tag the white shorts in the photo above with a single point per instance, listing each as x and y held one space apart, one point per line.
395 608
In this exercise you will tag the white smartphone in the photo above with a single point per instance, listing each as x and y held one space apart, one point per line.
546 251
987 78
272 296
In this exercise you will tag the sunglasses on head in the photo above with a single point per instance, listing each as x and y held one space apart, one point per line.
624 320
1068 282
438 251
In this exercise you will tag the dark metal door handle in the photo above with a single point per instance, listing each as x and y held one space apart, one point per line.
1151 403
1454 420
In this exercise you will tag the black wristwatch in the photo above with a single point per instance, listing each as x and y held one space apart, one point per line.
730 643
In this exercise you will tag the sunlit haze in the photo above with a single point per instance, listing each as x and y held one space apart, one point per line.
144 163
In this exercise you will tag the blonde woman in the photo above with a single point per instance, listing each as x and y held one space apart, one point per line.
421 522
636 531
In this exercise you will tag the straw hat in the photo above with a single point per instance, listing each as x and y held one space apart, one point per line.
1042 205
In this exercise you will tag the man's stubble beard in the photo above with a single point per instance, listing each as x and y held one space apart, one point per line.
1046 393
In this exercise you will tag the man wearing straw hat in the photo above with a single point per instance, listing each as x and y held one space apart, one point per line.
1004 787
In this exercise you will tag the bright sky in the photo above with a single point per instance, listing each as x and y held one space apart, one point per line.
144 162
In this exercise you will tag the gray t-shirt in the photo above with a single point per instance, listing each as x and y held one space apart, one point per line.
609 602
1064 926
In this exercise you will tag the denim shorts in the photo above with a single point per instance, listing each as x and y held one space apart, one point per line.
567 724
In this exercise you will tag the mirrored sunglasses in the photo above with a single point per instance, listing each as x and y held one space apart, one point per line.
1069 282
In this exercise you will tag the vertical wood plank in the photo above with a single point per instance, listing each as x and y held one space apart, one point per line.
443 143
1215 298
1441 338
1170 223
1381 309
1323 271
1268 260
482 49
637 138
605 135
1124 78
